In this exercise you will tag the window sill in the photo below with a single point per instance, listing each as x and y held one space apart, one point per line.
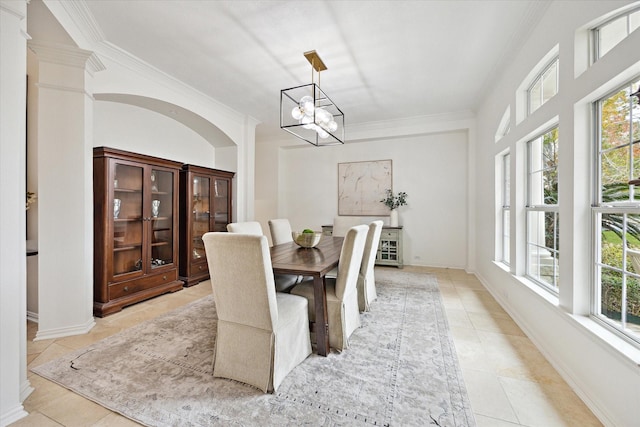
608 340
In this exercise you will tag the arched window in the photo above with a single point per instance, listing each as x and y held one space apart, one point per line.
613 31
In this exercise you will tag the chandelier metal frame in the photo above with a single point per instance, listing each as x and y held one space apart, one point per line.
308 113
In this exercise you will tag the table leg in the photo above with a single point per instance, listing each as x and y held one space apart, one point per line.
322 323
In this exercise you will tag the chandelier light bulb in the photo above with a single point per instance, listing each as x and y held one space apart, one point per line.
322 116
306 105
332 126
322 133
307 122
297 113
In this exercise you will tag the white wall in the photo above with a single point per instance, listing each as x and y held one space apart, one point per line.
301 184
603 370
136 129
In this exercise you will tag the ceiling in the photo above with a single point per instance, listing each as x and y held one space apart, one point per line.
385 59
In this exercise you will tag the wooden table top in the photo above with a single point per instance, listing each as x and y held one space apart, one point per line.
289 258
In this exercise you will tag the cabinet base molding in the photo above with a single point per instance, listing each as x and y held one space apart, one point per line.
195 279
101 309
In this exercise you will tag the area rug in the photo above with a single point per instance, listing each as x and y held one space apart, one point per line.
400 370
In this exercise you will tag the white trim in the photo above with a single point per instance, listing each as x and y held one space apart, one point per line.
65 332
13 415
25 390
584 326
56 53
32 316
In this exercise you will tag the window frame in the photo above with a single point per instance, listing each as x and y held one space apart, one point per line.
595 32
505 211
539 77
543 209
624 208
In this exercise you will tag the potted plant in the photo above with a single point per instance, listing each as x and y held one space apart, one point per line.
393 202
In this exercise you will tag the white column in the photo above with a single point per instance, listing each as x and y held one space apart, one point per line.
245 175
65 189
14 386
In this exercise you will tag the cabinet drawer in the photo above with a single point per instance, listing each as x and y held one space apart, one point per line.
389 234
199 267
130 287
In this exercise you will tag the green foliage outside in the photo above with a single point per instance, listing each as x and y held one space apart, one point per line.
619 162
612 285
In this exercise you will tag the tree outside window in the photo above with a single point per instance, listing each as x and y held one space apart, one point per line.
543 225
617 212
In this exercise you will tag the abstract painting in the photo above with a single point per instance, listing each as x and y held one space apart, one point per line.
361 186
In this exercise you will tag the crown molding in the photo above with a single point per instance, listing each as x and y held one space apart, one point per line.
79 15
127 60
10 8
411 126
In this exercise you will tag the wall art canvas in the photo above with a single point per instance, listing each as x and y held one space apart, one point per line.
361 186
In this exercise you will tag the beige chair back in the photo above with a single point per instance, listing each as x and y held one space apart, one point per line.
249 227
261 335
280 231
366 279
242 279
284 282
341 224
350 260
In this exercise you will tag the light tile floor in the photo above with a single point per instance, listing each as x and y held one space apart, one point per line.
508 380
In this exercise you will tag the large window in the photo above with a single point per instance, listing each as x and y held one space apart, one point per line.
544 86
614 31
506 208
617 211
542 210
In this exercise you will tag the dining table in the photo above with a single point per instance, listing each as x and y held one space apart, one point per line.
316 262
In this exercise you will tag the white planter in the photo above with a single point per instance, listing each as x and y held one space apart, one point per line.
393 218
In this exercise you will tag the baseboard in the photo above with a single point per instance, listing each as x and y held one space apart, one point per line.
32 316
25 390
13 415
565 372
65 332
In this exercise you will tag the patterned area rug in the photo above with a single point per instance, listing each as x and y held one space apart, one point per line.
401 370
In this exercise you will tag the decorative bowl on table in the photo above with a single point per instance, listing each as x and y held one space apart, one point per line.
306 240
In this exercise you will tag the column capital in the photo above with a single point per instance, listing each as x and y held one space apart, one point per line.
66 55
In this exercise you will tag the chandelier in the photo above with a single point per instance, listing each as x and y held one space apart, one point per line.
308 113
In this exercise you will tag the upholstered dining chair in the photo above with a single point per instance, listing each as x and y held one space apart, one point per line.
262 334
249 227
284 282
280 230
366 279
342 294
342 224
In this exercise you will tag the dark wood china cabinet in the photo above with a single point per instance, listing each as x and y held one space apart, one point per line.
135 228
205 205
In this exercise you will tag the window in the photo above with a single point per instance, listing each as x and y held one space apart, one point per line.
614 31
544 86
542 210
506 207
505 125
616 211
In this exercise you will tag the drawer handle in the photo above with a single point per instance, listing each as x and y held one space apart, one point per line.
200 267
164 277
126 288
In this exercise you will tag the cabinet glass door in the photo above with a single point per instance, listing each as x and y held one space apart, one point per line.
201 214
161 217
221 204
127 218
